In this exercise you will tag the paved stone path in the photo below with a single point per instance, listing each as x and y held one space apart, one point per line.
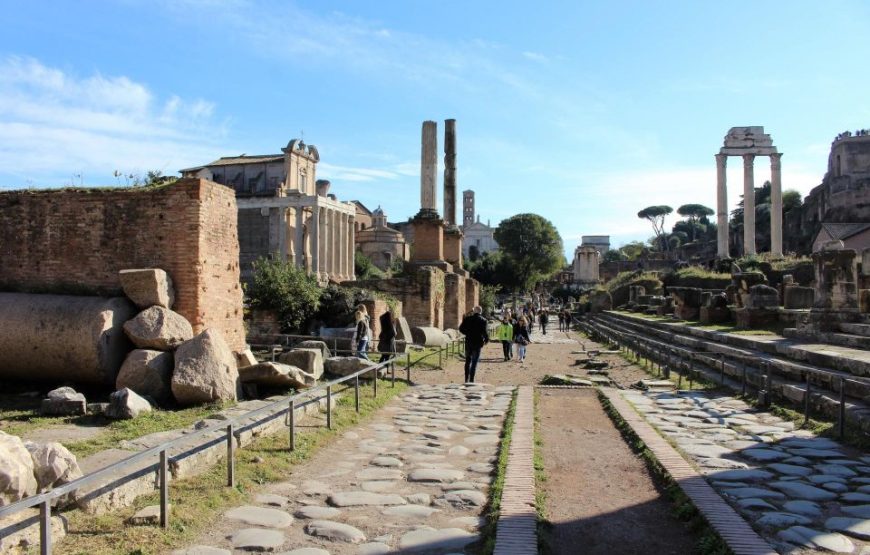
801 492
412 480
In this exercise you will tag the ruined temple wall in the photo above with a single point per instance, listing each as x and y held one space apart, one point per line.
76 241
422 295
472 293
454 300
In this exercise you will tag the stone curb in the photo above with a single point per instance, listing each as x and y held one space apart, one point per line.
735 531
517 532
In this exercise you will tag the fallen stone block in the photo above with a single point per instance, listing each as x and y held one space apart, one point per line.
309 360
205 370
125 404
148 287
313 344
53 464
276 374
344 366
158 328
429 336
148 373
245 358
64 401
17 480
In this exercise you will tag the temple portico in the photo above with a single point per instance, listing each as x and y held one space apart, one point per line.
748 142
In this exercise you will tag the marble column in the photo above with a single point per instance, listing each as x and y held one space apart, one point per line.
324 245
775 204
341 244
283 246
429 168
748 204
333 244
450 172
299 241
314 231
721 206
351 247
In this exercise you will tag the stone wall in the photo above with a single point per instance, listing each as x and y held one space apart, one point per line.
76 241
454 300
472 293
421 294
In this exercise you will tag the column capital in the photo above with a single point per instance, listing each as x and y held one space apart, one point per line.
775 162
748 159
721 159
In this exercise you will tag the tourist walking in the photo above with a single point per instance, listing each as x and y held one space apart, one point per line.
505 334
521 338
362 331
544 319
566 314
387 336
473 327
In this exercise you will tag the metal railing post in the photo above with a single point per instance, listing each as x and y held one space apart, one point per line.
440 363
743 381
408 367
231 458
356 393
807 402
164 490
375 382
329 407
292 422
392 373
45 527
722 375
841 424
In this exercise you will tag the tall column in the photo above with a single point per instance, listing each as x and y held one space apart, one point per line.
721 206
283 247
351 246
775 204
450 172
429 168
299 240
748 204
324 245
333 244
314 231
341 244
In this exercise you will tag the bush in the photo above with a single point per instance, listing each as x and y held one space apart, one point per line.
487 298
338 303
280 286
696 276
365 268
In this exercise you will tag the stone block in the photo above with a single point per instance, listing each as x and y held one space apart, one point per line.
276 374
64 401
319 345
600 301
53 464
763 296
245 358
148 373
205 370
687 302
403 330
710 315
158 328
797 297
125 404
16 470
148 287
754 318
343 366
309 360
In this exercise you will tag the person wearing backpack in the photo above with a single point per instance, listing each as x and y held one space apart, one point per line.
473 327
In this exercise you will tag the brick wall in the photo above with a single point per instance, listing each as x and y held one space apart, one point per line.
454 300
472 293
421 294
76 241
428 240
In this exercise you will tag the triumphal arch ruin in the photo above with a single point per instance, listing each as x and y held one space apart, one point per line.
749 142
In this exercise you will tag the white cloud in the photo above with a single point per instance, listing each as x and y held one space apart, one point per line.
535 57
54 124
345 173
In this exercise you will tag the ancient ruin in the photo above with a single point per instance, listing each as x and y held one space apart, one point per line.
748 142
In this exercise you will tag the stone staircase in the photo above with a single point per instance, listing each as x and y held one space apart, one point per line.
725 357
848 334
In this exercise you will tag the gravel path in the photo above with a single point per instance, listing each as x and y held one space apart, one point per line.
414 479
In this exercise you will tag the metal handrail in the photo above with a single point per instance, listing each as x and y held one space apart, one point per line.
286 405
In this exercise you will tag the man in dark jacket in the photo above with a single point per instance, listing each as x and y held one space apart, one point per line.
473 327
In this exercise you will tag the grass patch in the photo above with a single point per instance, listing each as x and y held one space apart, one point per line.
698 382
544 524
709 543
196 501
426 358
493 507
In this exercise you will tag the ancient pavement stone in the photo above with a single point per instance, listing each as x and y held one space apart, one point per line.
855 527
439 475
260 516
373 548
271 499
335 531
410 511
807 537
798 490
257 539
317 512
202 550
434 539
363 498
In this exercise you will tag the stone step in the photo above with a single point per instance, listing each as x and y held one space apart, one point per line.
851 340
856 329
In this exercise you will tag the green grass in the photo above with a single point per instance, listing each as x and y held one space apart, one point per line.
698 382
544 524
196 501
493 507
709 542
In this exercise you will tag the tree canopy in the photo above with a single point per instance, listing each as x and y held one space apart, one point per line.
656 216
531 247
694 212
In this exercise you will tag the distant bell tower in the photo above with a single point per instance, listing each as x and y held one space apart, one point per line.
467 208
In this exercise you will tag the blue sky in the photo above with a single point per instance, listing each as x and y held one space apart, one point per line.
583 112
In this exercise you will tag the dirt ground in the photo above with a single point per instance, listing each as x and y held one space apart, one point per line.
599 494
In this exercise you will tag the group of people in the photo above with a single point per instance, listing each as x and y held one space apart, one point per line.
363 332
514 330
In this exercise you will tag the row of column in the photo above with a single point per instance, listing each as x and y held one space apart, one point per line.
749 204
330 251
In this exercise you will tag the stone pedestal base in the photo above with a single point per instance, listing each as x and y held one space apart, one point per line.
714 315
454 300
453 246
472 293
752 318
428 238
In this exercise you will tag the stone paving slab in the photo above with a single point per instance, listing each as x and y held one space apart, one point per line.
794 488
401 483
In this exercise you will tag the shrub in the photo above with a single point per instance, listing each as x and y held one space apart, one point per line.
280 286
365 268
696 276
